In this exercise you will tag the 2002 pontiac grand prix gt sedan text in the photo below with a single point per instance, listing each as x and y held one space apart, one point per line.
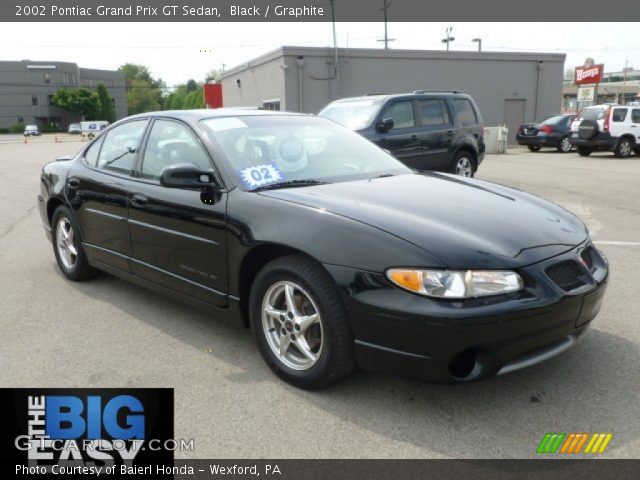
334 253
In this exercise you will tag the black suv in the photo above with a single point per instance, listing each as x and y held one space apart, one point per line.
426 130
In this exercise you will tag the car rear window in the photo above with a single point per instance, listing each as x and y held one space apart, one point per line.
465 113
635 115
555 120
592 113
619 114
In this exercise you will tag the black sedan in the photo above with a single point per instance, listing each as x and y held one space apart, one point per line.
553 132
334 253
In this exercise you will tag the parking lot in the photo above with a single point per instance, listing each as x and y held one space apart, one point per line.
108 333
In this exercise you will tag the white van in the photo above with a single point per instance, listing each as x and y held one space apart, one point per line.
613 128
92 129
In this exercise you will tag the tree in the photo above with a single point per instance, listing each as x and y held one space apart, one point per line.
194 99
213 76
144 93
107 106
78 101
191 86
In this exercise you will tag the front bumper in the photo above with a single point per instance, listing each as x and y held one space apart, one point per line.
539 140
460 341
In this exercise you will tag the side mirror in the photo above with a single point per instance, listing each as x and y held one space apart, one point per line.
385 124
187 176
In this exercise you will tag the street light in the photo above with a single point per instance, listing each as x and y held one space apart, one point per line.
449 38
479 42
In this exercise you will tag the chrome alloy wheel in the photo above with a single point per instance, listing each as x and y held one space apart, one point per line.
64 242
292 325
625 148
565 145
464 167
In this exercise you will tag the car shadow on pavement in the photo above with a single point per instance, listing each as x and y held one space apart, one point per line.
593 387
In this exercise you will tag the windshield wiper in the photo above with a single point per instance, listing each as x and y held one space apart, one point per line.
290 184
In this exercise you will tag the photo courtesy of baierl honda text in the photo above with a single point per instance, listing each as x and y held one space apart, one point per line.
311 239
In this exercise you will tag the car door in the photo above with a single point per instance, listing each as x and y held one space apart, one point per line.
402 140
98 189
436 133
177 240
635 124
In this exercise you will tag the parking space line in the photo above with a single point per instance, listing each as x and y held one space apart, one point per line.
613 242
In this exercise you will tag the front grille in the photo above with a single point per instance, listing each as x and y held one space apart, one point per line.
587 257
565 275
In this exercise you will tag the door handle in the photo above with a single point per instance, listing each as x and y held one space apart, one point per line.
73 183
138 199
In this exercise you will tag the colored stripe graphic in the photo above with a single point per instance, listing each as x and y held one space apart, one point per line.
550 443
598 443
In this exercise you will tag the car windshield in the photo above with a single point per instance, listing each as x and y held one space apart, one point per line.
355 115
592 113
271 150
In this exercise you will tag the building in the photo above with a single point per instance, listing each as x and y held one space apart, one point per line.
27 88
616 87
510 88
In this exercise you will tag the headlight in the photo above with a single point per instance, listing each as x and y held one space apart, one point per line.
456 283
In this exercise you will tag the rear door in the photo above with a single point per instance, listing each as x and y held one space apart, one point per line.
436 133
98 189
403 140
635 124
177 240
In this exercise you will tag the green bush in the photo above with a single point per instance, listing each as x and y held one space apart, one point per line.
5 130
50 128
17 128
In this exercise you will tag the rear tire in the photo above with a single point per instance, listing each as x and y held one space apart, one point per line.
67 246
624 148
584 151
534 148
286 291
565 145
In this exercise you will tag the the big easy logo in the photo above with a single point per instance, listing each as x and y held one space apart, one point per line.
108 426
589 73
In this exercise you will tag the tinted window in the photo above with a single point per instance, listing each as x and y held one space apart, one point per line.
354 115
170 143
635 115
121 146
433 112
619 114
465 113
402 114
555 120
91 155
592 113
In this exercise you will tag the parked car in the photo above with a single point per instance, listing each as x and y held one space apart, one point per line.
614 128
554 131
424 130
31 131
75 128
331 250
92 129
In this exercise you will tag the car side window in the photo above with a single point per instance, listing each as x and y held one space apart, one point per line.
170 143
465 113
635 115
619 115
120 147
91 155
433 112
402 114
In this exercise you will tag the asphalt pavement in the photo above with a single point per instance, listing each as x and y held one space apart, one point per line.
108 333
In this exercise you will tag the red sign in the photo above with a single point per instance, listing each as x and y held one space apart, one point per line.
213 95
589 74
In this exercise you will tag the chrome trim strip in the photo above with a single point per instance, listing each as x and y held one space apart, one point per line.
539 356
174 232
106 214
391 350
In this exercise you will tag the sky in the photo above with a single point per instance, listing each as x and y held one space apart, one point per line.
176 52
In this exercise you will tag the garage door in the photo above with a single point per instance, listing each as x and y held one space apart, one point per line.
514 117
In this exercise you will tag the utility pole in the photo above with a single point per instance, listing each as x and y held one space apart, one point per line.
624 82
386 39
448 39
479 42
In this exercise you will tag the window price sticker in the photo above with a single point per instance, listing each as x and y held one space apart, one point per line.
260 175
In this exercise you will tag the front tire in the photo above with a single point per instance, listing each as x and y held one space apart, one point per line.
565 145
534 148
67 246
624 148
584 151
300 323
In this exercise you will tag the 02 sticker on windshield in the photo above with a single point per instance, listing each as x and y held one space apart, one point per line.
260 175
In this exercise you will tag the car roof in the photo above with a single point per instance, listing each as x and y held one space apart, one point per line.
416 94
214 112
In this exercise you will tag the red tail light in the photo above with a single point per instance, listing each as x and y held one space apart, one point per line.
546 129
607 120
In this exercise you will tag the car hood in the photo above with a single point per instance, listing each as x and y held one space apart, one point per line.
466 223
